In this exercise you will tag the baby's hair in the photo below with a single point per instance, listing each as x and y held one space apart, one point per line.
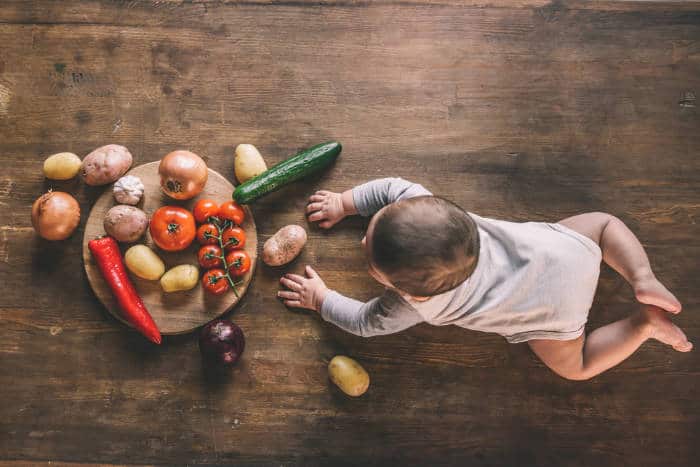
425 245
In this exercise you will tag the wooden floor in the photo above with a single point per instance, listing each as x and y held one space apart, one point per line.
515 109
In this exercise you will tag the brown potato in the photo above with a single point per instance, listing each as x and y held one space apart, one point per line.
106 164
348 375
125 223
284 246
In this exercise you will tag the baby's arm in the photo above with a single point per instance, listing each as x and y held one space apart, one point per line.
329 208
382 315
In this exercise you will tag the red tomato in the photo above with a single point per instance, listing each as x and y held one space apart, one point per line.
209 256
233 238
215 282
232 212
208 234
204 209
172 228
238 263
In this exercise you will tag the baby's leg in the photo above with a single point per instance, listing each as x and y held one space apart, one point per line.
623 252
586 357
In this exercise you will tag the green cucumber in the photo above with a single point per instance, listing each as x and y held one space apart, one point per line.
296 167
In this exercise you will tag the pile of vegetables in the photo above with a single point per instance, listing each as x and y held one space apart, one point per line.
217 228
56 215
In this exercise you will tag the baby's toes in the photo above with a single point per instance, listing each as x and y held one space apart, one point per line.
684 347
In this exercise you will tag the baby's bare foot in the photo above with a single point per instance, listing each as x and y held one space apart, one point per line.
652 292
659 327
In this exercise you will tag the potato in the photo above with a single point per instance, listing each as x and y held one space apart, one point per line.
348 375
144 263
248 162
179 278
106 164
284 246
62 166
125 223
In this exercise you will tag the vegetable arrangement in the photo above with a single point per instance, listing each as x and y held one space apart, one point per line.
217 228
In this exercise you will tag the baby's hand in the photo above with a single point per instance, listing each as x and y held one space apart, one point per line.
304 292
327 207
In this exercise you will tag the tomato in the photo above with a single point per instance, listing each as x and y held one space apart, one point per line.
215 282
204 209
172 228
209 256
231 211
208 234
233 238
238 263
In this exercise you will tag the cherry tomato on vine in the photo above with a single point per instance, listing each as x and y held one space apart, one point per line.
231 211
172 228
238 263
209 256
204 209
215 282
208 234
233 238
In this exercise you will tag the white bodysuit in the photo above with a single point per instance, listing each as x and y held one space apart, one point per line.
533 280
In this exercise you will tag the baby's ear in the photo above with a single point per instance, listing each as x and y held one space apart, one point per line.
408 297
419 299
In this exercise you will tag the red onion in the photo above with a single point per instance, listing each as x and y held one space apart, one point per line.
221 342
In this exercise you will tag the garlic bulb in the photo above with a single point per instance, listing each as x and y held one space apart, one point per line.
128 190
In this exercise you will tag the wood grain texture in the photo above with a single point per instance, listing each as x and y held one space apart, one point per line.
520 110
179 312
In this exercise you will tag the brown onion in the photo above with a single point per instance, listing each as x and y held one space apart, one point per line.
55 215
183 174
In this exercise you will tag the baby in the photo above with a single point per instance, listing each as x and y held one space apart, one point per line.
529 282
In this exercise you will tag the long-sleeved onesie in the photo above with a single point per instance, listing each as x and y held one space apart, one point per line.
533 280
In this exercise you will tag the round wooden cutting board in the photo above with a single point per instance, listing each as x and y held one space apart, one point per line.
178 312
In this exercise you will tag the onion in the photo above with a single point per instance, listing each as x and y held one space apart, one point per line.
221 342
55 215
183 174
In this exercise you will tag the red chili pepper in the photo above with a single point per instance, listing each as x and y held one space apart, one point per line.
109 259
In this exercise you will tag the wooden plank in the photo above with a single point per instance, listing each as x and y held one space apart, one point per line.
524 110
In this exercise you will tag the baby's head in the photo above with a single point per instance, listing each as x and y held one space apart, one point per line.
422 246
